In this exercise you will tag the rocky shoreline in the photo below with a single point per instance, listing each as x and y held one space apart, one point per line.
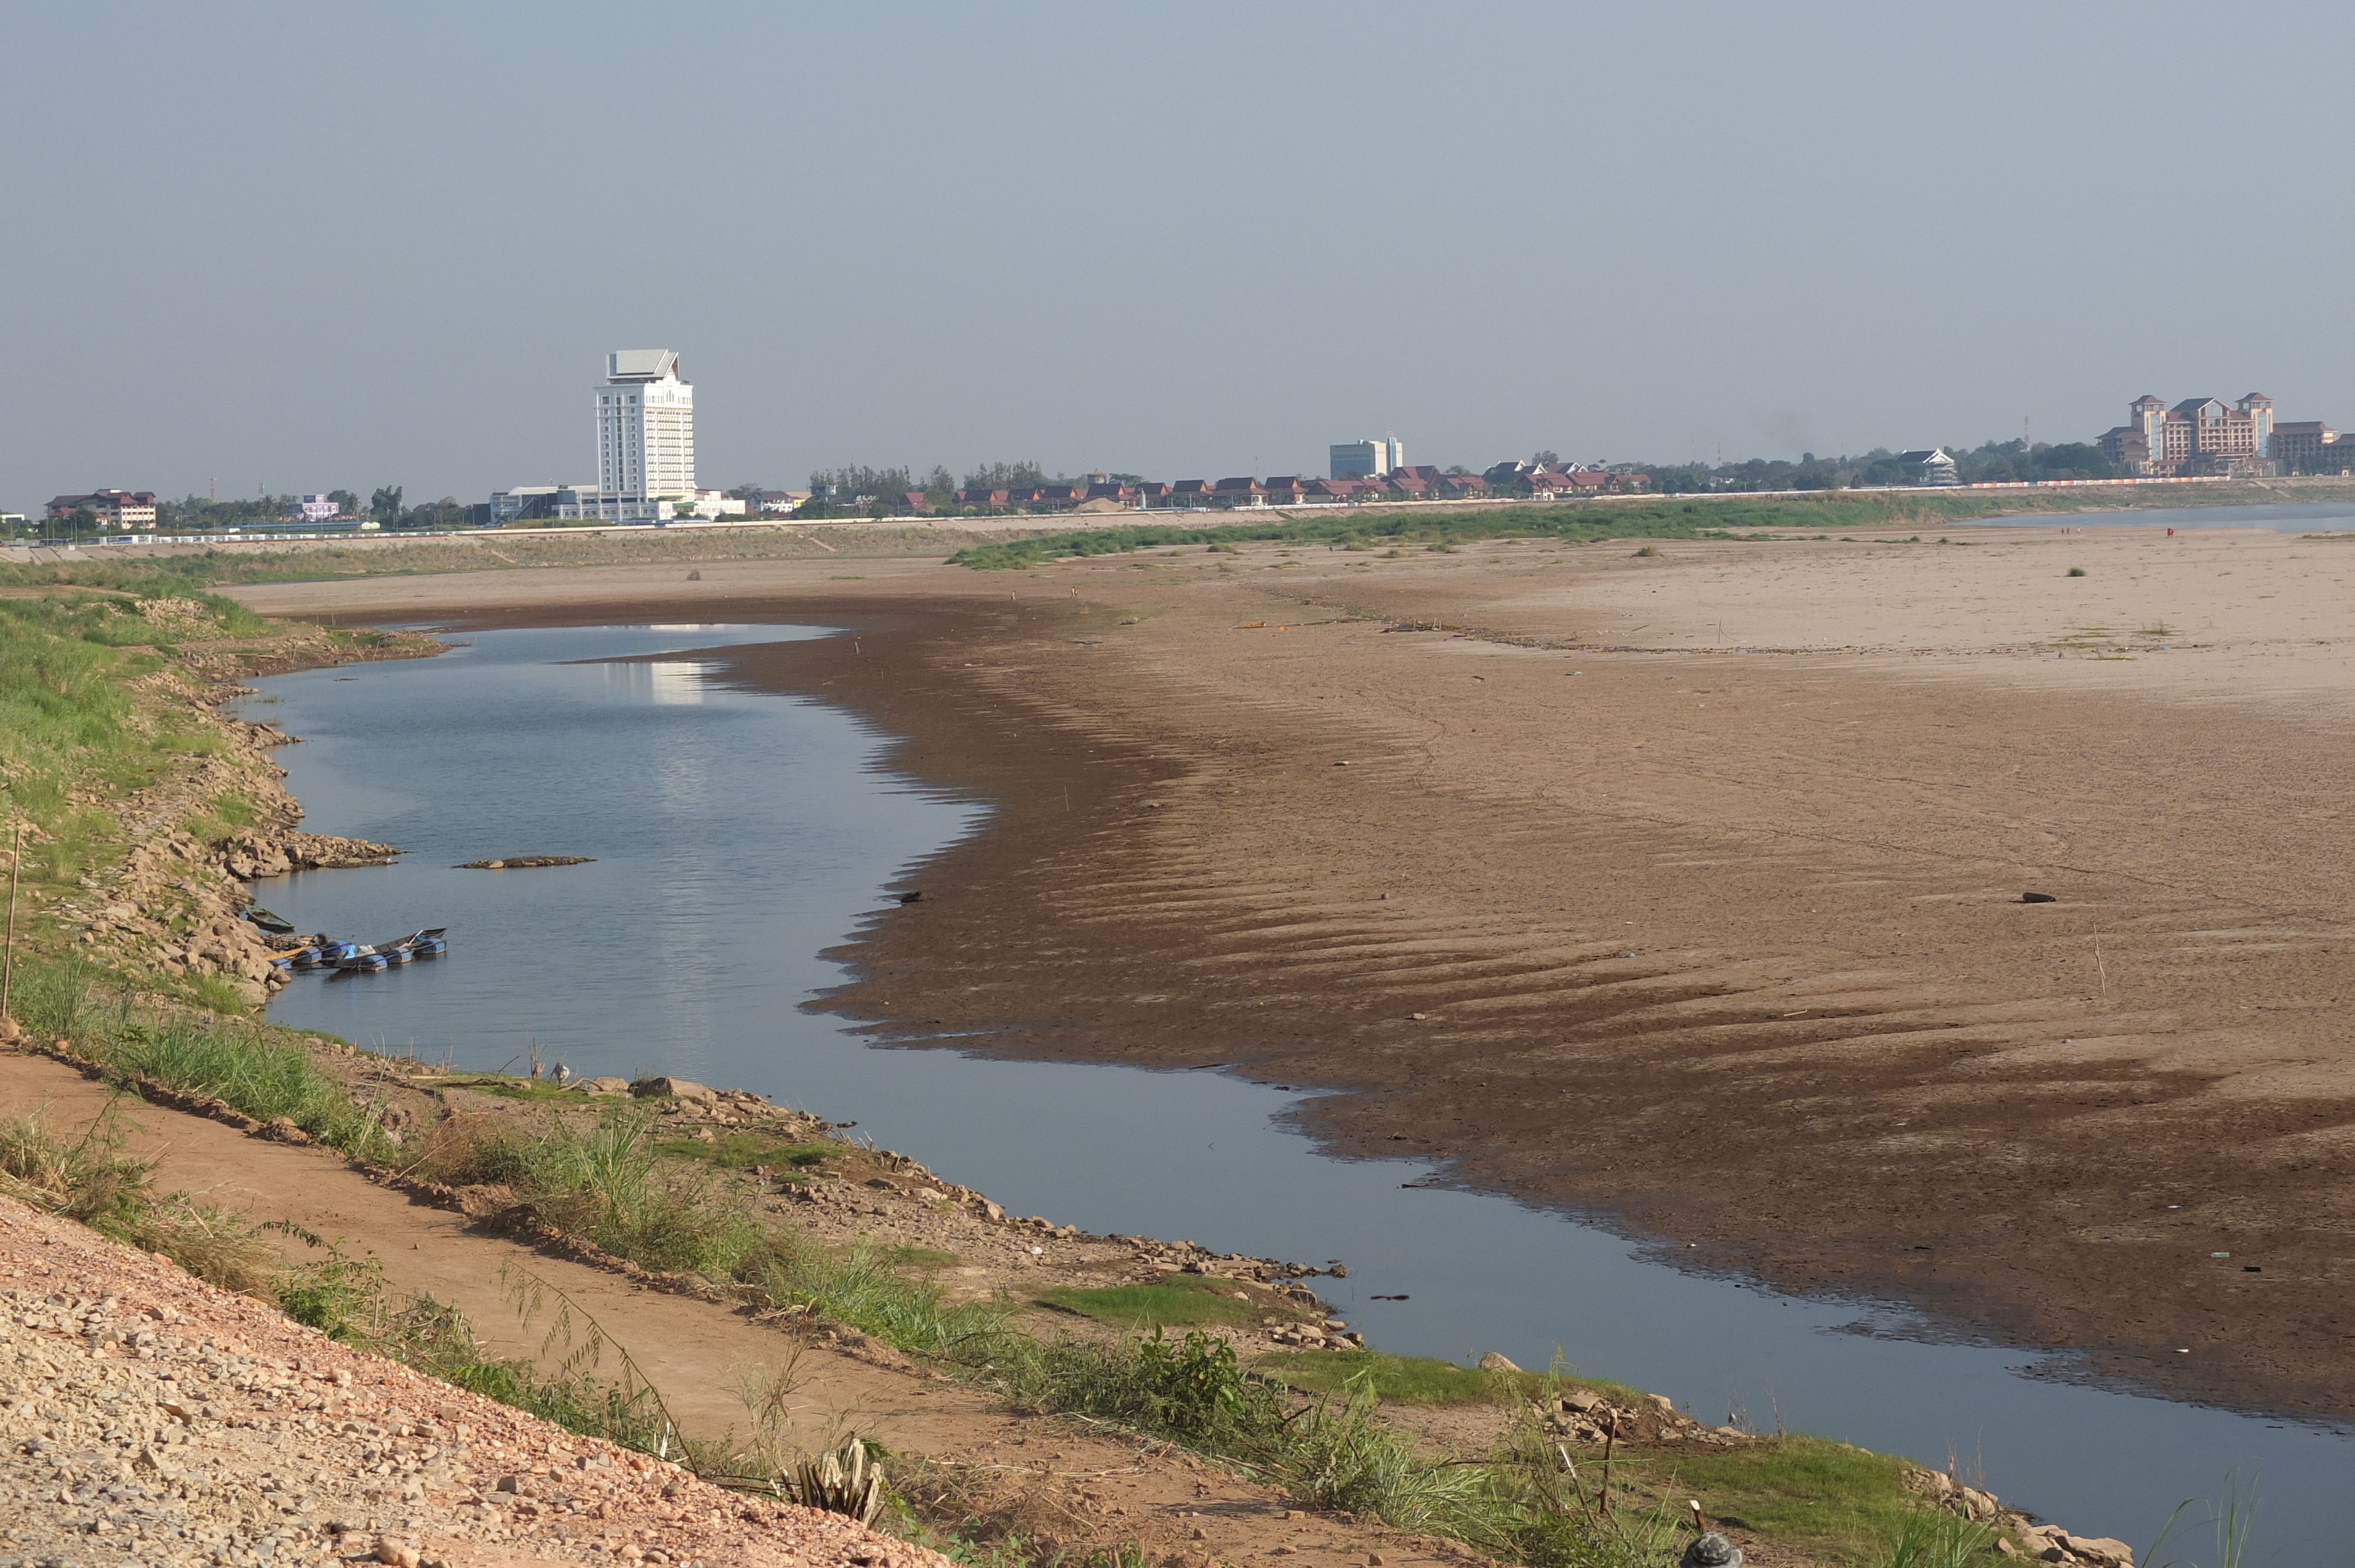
174 904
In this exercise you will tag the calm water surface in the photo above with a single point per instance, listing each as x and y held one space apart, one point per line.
737 834
2292 517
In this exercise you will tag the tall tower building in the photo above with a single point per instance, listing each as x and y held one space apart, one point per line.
645 426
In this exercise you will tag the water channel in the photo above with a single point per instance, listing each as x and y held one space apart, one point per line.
737 834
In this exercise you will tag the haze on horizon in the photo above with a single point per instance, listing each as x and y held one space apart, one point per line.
300 247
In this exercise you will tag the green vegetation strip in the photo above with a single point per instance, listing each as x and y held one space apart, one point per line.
1181 1302
1582 523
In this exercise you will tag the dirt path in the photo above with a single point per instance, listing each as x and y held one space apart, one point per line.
1052 1480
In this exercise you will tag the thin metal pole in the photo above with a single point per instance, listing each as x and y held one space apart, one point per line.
8 958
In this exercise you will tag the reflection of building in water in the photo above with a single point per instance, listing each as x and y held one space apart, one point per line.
676 684
667 683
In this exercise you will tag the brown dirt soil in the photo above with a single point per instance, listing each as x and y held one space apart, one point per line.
1683 889
156 1419
1059 1485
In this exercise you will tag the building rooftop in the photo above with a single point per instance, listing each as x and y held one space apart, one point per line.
641 364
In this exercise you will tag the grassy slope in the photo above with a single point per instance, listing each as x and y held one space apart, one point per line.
81 723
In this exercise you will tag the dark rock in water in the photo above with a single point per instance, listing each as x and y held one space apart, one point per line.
2039 898
524 862
1712 1551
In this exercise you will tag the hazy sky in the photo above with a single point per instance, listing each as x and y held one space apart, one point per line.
316 245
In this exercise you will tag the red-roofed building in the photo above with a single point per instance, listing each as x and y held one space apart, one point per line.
113 508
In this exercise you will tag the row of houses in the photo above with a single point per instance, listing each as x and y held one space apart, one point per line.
1245 491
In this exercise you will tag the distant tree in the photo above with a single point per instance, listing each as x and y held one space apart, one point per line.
345 502
1546 456
749 493
1456 470
447 513
1007 476
385 505
855 480
1681 478
80 522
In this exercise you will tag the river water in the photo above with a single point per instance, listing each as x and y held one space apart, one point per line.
737 834
2286 517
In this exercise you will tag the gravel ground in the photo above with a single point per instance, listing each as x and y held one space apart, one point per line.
147 1417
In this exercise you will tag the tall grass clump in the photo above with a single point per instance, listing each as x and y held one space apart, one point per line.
1932 1538
863 1290
86 1177
608 1183
244 1065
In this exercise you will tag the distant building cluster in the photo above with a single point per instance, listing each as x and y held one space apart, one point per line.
1366 460
644 416
2203 436
1248 491
114 509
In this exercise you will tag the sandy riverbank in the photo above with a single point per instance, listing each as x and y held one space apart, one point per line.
1721 938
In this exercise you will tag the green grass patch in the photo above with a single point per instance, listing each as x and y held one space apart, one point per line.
744 1150
260 1070
1188 1303
1420 1379
1577 521
1809 1491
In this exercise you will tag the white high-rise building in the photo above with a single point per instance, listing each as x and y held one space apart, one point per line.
1367 460
646 427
